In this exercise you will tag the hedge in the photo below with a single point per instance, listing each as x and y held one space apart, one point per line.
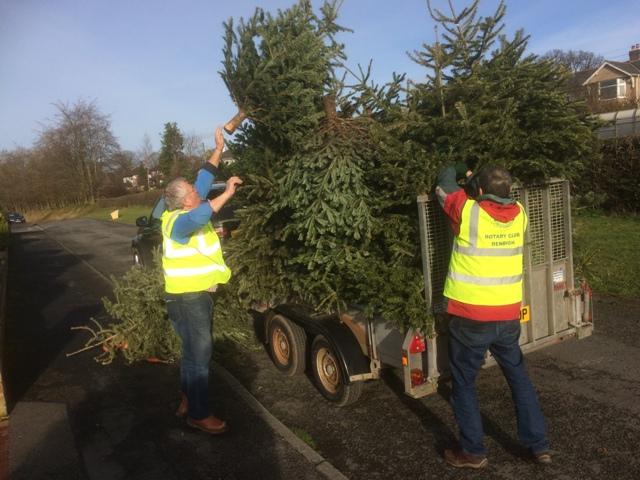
611 182
142 198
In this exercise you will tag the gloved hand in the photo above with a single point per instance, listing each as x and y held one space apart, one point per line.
472 187
461 170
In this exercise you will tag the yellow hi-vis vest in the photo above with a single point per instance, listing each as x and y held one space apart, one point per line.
486 261
195 266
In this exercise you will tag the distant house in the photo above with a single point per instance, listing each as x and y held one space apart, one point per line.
155 177
612 91
613 85
152 178
132 181
227 157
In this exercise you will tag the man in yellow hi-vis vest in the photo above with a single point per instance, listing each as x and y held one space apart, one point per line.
484 292
193 268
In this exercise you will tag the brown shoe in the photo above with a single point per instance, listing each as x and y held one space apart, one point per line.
210 424
183 408
543 458
458 458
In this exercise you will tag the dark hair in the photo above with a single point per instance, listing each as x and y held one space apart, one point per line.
495 180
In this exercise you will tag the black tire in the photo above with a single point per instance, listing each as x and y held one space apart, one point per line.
328 375
287 343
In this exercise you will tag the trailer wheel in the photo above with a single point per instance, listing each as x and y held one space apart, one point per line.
287 345
328 376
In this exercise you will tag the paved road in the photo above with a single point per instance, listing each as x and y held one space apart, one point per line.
103 245
589 390
71 418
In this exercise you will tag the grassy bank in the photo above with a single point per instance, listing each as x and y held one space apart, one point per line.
4 232
607 252
125 214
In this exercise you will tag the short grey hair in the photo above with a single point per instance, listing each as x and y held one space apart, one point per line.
175 193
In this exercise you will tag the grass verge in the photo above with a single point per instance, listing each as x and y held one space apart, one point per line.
126 215
607 252
305 437
4 232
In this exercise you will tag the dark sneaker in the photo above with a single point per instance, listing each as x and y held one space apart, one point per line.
458 458
543 458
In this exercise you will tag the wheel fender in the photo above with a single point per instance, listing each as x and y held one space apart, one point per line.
339 336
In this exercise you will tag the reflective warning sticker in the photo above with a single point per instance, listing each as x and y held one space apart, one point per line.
558 279
558 275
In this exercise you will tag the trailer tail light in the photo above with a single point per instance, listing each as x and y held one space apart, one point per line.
221 231
417 345
417 377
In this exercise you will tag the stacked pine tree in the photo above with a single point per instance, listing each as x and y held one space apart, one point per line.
333 170
333 163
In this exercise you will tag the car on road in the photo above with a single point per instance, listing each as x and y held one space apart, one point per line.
149 236
15 217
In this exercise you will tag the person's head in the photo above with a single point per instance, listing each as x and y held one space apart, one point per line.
495 180
180 194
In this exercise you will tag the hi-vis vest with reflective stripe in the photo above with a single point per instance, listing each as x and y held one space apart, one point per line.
195 266
486 262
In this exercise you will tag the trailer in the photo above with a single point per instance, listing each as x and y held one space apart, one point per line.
343 351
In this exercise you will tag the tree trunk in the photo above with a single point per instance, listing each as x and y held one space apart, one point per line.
329 102
235 122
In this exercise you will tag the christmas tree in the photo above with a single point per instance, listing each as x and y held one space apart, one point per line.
316 226
330 217
486 100
332 167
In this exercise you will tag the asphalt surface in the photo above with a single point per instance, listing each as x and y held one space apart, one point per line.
73 418
121 416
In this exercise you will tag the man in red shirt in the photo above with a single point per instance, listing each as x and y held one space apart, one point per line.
484 292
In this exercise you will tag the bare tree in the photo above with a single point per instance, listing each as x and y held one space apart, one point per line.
120 167
14 178
147 157
194 151
574 60
81 142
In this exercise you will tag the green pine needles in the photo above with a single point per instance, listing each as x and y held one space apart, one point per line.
332 163
333 170
141 330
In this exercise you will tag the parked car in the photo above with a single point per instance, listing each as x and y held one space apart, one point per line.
15 217
149 236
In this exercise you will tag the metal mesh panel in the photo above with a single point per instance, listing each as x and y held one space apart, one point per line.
516 194
557 207
535 211
438 243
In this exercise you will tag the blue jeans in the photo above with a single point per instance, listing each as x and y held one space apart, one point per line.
469 340
191 315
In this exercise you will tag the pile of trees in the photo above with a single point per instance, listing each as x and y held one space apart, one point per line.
333 163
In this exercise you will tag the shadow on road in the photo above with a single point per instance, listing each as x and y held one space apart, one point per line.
121 416
38 320
444 436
